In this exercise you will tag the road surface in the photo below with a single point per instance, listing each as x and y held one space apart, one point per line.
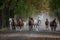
30 35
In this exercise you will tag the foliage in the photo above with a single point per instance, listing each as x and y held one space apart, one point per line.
20 8
55 7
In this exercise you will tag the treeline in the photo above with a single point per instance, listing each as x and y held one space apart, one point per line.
6 11
55 7
25 8
20 8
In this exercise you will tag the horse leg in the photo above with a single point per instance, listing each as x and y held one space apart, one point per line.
13 27
54 28
37 27
46 27
29 27
34 26
51 28
20 28
10 27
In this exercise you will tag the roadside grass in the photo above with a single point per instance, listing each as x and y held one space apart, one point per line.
5 29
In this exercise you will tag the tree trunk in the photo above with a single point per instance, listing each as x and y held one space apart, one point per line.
0 19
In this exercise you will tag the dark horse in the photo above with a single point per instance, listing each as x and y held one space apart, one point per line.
13 24
20 23
31 23
53 25
47 24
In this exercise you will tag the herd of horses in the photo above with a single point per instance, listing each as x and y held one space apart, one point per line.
31 23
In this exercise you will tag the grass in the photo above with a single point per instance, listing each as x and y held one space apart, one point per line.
4 30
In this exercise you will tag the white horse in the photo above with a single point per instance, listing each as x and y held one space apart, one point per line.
10 23
37 24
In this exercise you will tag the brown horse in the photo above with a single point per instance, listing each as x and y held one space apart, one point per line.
31 23
47 24
13 24
20 23
53 25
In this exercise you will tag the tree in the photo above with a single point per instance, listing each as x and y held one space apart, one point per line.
6 11
55 7
21 9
